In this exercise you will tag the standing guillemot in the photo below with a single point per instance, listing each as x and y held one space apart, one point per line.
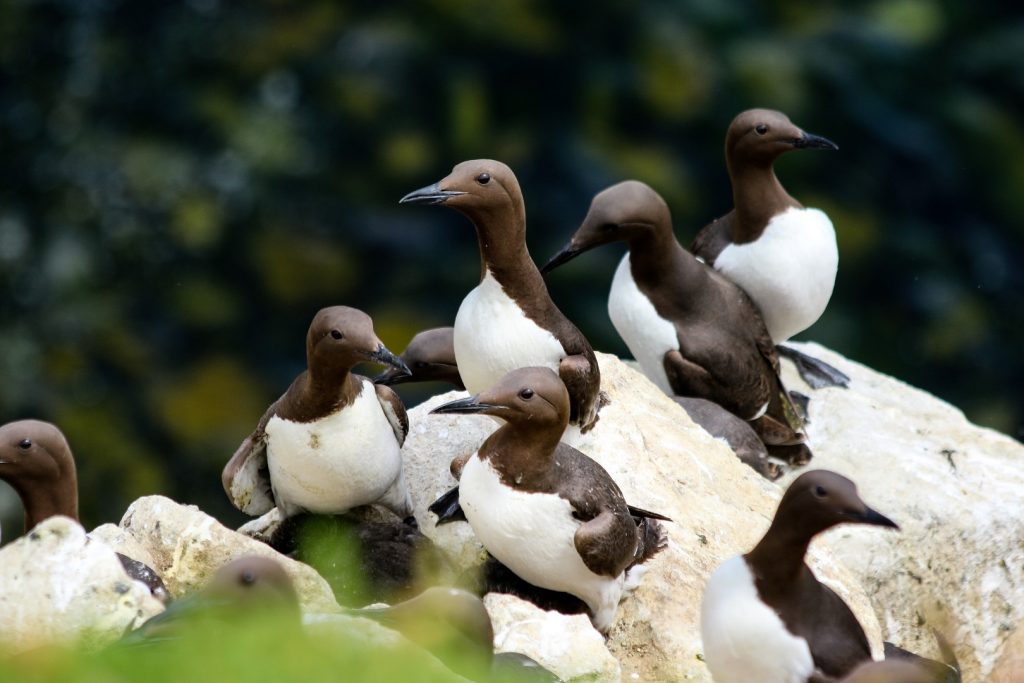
693 331
509 321
765 617
36 460
782 254
332 441
430 357
543 509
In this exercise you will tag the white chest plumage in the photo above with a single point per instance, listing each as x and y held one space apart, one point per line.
533 534
648 335
789 271
331 465
494 337
744 639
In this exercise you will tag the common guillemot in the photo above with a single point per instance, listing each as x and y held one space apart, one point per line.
332 441
36 460
765 617
543 509
509 321
694 332
782 254
430 357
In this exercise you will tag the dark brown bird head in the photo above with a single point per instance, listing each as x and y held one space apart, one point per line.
481 189
758 136
430 356
620 213
36 460
253 582
340 337
819 500
528 395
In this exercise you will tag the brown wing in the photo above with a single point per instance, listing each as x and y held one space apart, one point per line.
582 380
712 239
394 409
246 477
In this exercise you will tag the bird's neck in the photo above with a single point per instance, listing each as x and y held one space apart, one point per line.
779 556
758 196
656 254
501 234
522 456
47 499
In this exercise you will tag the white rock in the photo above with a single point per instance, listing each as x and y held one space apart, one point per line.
58 584
567 646
187 546
956 491
665 463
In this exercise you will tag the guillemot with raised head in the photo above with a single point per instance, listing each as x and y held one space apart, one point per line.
509 321
694 332
332 441
781 253
543 509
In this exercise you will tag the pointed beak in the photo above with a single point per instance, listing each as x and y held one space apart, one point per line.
470 405
393 375
873 517
382 355
429 195
809 141
568 253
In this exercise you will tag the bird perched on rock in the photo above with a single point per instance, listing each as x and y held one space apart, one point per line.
782 254
332 441
741 437
36 460
693 331
765 617
543 509
509 321
430 357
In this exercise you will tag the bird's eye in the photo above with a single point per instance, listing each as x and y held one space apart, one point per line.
526 394
761 129
420 364
248 578
483 178
336 334
820 491
25 444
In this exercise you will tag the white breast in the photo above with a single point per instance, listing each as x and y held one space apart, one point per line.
493 337
347 459
648 335
533 535
789 271
744 639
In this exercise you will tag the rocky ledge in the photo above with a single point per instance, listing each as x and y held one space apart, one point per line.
958 563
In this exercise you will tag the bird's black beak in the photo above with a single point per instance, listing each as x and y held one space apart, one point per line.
568 253
465 406
393 376
429 195
809 141
873 517
382 355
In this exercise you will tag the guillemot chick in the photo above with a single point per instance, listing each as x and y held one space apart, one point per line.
694 332
430 357
509 321
543 509
36 460
782 254
332 441
765 617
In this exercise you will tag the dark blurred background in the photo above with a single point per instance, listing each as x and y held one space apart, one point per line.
183 185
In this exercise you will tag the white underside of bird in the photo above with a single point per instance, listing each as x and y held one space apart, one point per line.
648 335
533 534
493 337
744 639
331 465
789 271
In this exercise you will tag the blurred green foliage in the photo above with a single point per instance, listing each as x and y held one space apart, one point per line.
185 183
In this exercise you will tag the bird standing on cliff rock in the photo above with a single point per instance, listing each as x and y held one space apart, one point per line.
332 441
782 254
543 509
509 321
693 331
